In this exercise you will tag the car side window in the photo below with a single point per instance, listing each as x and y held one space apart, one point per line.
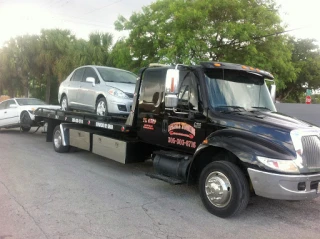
89 72
8 103
2 105
77 75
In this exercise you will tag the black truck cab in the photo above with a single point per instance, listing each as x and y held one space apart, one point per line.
220 121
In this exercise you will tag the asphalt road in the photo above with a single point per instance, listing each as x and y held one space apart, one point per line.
44 194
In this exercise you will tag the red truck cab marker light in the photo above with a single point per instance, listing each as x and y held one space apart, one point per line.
172 85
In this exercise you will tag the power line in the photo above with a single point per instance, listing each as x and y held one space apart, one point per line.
96 9
260 37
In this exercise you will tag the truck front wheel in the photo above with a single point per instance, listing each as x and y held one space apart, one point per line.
224 190
57 141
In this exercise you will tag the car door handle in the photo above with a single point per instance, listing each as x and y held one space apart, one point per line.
5 112
164 126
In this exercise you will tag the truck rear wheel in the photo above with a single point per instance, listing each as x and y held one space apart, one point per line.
57 141
224 190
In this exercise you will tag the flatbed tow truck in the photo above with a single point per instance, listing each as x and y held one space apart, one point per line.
214 124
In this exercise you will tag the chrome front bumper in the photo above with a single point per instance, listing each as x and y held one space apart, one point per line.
285 187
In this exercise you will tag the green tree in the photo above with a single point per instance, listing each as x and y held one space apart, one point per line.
189 31
306 60
54 44
10 69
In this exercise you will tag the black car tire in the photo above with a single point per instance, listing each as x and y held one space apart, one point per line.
25 121
102 100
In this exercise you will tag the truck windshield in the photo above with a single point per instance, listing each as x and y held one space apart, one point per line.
237 89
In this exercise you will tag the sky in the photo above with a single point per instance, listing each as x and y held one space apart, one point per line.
19 17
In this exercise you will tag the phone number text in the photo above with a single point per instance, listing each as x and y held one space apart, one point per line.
182 142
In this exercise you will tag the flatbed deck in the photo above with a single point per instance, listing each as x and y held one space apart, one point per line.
115 123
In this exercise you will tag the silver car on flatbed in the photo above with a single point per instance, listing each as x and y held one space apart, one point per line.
99 89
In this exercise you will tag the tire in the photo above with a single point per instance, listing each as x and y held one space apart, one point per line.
64 103
228 180
57 141
101 107
25 121
25 129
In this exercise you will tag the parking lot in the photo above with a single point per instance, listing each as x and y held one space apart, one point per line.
44 194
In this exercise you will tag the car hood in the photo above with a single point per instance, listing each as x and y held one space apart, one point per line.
125 87
270 124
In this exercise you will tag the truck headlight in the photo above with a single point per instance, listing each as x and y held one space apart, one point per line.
118 93
285 166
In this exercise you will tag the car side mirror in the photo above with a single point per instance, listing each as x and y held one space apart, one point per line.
171 88
91 80
273 92
13 106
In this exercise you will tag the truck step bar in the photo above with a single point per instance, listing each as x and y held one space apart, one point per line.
161 177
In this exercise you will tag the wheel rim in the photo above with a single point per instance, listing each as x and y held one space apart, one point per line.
64 104
57 139
218 189
101 108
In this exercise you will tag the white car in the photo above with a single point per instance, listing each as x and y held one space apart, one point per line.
18 112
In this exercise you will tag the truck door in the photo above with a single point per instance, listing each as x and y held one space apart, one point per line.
186 126
151 107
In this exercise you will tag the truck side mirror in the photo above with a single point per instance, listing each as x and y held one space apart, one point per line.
273 92
171 88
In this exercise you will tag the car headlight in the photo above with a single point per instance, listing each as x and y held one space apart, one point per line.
285 166
117 93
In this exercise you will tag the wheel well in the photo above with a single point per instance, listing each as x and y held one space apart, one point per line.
209 155
63 94
99 97
23 112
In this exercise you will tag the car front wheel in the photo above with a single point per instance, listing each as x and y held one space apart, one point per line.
25 121
101 107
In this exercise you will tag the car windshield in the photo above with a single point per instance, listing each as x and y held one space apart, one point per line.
237 90
114 75
30 101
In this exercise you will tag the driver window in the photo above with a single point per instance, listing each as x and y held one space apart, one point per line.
89 72
8 103
2 105
188 94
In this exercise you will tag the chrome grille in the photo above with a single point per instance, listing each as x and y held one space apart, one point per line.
311 151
